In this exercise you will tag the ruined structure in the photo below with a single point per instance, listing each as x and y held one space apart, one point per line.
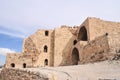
94 40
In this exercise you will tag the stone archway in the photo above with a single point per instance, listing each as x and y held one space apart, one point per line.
82 35
75 56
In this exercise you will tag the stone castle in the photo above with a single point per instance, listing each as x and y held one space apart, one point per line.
94 40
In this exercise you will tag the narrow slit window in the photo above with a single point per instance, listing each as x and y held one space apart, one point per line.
45 49
24 65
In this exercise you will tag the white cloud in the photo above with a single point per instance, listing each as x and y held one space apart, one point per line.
4 51
13 34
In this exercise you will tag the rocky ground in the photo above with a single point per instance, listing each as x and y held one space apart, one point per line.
106 70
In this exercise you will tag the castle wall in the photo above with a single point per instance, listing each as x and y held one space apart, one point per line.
99 27
96 40
63 43
40 39
18 60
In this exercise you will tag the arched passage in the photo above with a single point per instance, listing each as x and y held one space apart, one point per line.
75 56
82 34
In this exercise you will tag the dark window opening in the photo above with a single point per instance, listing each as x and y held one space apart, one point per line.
45 48
12 65
82 34
46 33
75 41
46 62
24 65
75 56
106 34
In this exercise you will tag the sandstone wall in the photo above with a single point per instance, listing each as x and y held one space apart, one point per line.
40 40
63 43
18 59
95 50
99 27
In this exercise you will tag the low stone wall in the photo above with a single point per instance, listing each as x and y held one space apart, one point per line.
21 74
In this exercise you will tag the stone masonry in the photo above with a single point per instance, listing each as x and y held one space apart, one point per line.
94 40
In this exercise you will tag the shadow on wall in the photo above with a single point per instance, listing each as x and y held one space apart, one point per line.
67 53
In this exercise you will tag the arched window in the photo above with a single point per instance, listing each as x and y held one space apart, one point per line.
75 41
45 48
82 34
24 65
46 62
12 65
46 33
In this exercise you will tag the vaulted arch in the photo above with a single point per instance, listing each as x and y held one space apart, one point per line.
82 35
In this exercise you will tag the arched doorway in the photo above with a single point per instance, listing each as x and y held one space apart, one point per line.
82 34
75 56
46 62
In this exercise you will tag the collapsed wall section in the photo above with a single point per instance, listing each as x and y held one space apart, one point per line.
95 50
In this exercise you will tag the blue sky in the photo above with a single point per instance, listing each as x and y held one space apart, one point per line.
21 18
